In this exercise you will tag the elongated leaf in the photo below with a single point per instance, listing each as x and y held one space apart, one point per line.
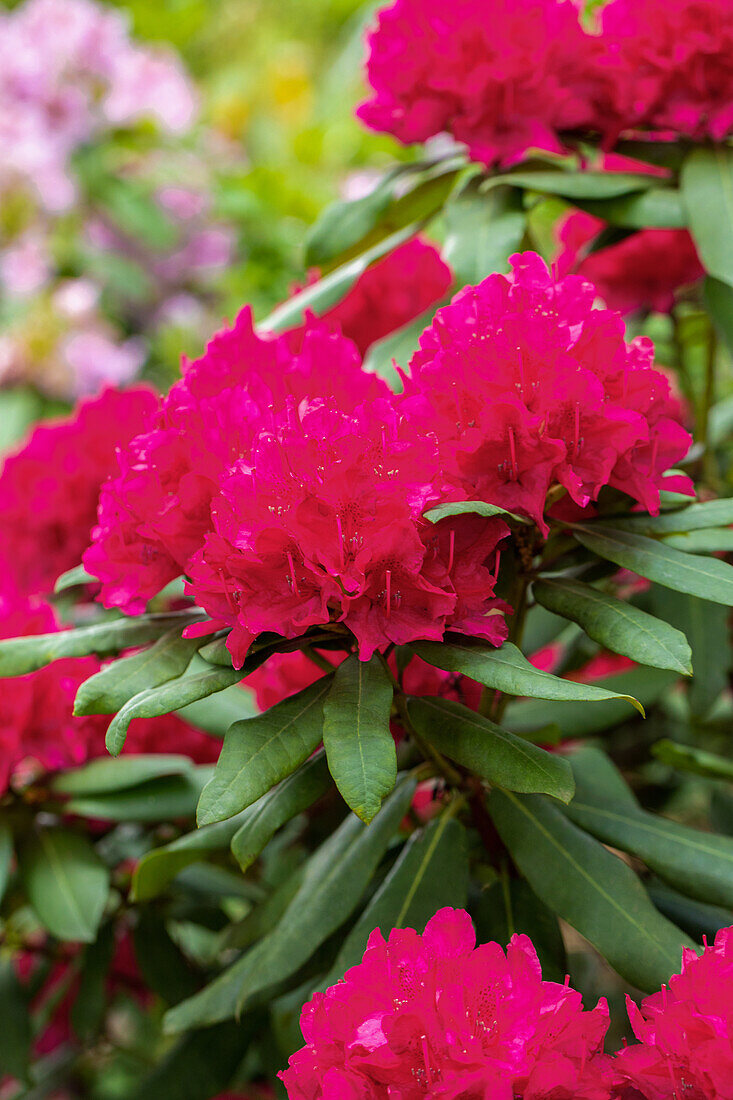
73 578
215 714
21 655
197 1066
490 751
708 578
335 878
15 1024
471 507
91 999
359 746
66 882
6 857
260 920
577 185
105 776
343 224
430 873
164 799
706 627
695 917
597 779
657 208
710 540
158 867
706 180
530 716
718 298
397 348
483 230
261 751
320 296
511 906
695 517
109 690
590 888
171 696
259 822
699 864
163 966
697 761
617 624
508 670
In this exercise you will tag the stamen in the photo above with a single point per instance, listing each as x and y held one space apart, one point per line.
576 439
452 548
388 579
341 540
292 574
495 578
513 453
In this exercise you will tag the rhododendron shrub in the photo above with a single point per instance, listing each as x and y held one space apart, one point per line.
387 713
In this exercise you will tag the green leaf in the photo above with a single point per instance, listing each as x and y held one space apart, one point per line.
15 1024
173 695
197 1066
697 761
598 780
359 746
617 624
109 690
164 799
398 347
696 918
343 224
160 866
471 507
335 878
706 628
710 540
105 776
215 714
718 298
6 857
700 864
320 296
706 180
576 185
163 966
590 888
657 208
21 655
490 751
66 882
431 872
645 684
510 906
73 578
90 1001
259 752
708 578
259 822
482 231
694 517
508 670
20 407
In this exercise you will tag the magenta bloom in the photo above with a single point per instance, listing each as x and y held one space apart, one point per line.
49 487
685 1032
434 1016
502 76
394 291
527 386
641 272
671 65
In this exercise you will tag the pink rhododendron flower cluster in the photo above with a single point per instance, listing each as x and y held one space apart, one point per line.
526 385
394 291
289 486
503 77
38 731
685 1032
670 64
49 487
642 272
506 77
68 67
432 1015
